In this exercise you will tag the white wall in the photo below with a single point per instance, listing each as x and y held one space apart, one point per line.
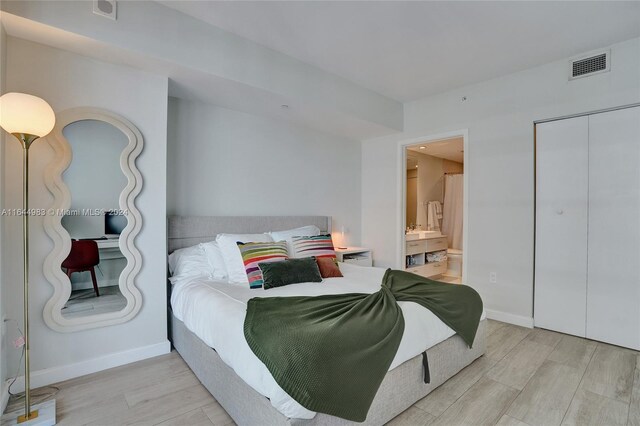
499 116
225 162
68 80
3 342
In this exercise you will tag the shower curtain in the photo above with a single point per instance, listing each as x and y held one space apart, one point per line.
453 209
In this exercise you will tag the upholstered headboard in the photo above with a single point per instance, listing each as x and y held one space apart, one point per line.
185 231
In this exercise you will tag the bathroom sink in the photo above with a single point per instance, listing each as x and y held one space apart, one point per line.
420 235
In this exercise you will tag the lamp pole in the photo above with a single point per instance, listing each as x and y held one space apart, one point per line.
28 118
26 140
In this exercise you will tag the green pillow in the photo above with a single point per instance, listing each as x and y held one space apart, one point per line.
291 271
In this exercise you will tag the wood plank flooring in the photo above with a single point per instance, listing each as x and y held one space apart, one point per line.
527 378
537 377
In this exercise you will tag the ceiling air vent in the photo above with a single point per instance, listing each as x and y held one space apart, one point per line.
106 8
590 65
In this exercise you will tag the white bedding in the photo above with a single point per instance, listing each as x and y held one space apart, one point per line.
215 311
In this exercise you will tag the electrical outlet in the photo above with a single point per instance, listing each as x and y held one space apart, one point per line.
493 277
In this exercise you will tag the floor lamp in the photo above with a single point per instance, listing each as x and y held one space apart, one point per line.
27 118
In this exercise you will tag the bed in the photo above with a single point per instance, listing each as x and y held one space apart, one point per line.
242 393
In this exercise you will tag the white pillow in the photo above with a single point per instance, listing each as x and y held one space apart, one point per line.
304 231
189 262
228 244
216 262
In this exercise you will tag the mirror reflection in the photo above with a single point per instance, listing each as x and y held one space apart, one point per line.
94 220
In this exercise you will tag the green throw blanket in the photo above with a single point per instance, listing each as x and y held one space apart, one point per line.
330 353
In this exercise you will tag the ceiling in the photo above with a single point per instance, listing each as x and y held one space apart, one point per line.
207 64
409 50
449 149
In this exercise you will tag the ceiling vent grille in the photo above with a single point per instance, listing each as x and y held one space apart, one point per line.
106 8
586 66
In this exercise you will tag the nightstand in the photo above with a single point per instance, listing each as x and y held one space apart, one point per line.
355 255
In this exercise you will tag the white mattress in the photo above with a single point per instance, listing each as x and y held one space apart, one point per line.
215 311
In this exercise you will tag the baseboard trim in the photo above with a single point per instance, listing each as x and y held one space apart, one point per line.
520 320
5 396
48 376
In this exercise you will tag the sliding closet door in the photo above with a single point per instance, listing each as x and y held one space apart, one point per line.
561 225
613 287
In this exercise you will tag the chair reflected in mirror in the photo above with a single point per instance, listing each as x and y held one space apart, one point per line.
83 257
95 182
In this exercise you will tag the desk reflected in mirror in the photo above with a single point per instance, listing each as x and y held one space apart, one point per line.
94 222
94 182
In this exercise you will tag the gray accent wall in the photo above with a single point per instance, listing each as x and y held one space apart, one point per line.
223 162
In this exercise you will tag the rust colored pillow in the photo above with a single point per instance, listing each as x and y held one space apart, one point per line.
328 267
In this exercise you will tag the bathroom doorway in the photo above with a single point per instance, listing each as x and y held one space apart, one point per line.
434 208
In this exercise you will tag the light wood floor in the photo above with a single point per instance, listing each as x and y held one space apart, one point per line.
527 377
537 377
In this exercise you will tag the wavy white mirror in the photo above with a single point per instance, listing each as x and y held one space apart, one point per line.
93 221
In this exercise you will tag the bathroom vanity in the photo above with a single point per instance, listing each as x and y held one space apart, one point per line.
426 253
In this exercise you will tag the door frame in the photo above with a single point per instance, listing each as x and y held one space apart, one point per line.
401 201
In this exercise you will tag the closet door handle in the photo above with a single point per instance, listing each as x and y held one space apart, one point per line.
559 212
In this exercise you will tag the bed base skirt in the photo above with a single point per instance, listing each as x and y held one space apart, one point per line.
401 387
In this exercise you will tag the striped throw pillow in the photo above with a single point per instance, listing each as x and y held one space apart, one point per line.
318 246
254 253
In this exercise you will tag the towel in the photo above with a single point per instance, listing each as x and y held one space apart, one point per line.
438 207
434 215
